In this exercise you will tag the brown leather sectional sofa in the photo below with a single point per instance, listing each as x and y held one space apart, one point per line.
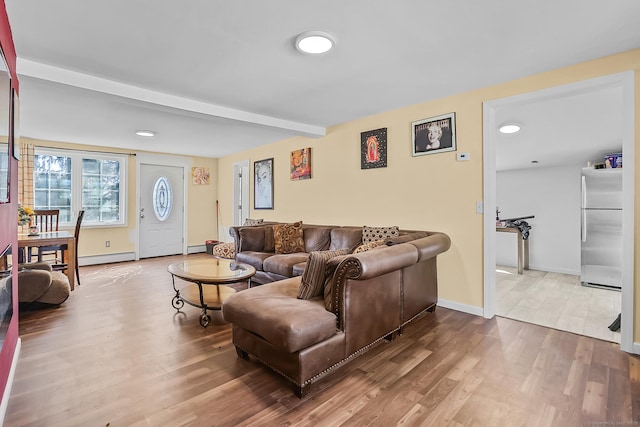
370 296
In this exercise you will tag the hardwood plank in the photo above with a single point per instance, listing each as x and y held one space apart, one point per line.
118 353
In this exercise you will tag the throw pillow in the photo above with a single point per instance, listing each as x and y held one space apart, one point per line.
366 246
250 221
251 239
371 234
225 250
288 238
312 282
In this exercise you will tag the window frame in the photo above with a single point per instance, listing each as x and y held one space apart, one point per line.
77 157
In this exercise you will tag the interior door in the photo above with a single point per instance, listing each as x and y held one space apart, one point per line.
161 210
240 192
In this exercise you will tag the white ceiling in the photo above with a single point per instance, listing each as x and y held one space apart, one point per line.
216 77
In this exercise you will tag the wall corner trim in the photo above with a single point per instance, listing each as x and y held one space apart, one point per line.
7 389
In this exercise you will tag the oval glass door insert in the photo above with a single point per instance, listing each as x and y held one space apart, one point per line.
162 198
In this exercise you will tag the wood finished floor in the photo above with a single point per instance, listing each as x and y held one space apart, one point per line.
117 354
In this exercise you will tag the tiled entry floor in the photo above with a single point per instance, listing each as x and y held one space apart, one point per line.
557 301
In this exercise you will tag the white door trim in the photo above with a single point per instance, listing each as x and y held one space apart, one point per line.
624 80
168 160
243 166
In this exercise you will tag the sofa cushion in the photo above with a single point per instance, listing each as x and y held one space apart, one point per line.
250 221
345 238
288 238
273 312
254 259
298 269
312 283
368 246
371 234
282 264
395 240
316 238
251 239
269 243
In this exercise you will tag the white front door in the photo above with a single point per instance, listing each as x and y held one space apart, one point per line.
161 210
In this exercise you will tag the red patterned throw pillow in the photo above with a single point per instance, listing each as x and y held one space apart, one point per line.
288 238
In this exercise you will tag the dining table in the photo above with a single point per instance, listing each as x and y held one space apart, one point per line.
54 238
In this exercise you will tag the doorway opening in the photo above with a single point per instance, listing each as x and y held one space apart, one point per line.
241 202
494 164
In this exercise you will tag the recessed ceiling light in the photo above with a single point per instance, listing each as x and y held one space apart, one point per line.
315 42
147 133
509 128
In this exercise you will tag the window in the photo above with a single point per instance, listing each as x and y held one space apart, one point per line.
69 182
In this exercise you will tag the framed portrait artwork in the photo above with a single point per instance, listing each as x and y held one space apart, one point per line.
263 184
300 164
373 149
434 135
200 175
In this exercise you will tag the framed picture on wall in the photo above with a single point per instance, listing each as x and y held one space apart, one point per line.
263 184
373 149
15 128
434 135
200 175
300 164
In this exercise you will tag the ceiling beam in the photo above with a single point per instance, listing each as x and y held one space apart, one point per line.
38 70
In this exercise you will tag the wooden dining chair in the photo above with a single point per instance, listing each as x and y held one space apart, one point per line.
46 220
64 265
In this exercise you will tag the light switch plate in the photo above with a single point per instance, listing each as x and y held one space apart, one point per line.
462 157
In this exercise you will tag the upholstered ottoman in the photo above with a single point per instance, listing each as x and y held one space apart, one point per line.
225 250
38 286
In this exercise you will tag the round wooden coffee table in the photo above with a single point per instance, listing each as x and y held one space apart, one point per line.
208 277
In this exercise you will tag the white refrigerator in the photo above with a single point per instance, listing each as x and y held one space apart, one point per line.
601 220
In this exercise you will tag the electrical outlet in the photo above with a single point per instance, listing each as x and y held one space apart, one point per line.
107 243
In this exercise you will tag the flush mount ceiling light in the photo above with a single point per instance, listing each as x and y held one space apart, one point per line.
147 133
315 42
509 128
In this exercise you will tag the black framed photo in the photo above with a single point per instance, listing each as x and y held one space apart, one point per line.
263 184
15 128
373 149
434 135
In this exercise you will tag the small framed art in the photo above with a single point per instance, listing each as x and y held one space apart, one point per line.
263 184
200 175
373 149
300 164
434 135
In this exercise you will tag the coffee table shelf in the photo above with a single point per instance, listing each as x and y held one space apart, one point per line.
208 277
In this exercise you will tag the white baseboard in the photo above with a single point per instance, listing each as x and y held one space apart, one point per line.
465 308
196 249
7 390
106 259
636 348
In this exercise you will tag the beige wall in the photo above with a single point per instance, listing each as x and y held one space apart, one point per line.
432 192
200 207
